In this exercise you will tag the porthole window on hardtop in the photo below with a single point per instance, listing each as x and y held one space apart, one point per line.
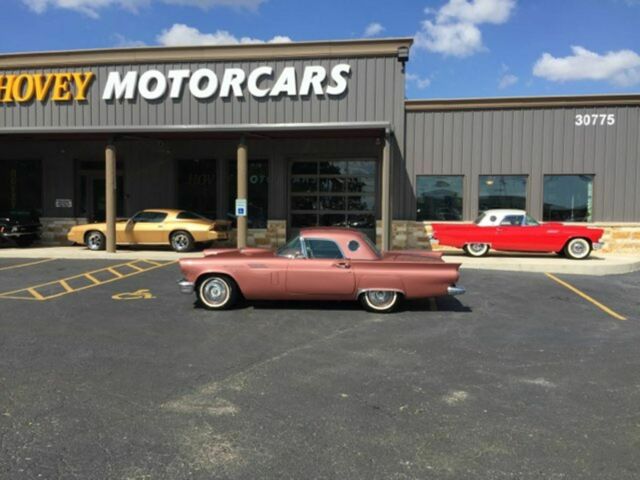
353 245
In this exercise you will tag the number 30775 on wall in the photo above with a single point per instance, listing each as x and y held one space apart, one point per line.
595 119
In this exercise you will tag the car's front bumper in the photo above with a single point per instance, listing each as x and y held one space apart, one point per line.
186 286
598 245
455 290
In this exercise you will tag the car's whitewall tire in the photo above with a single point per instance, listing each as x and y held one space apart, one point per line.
476 249
577 249
217 292
380 301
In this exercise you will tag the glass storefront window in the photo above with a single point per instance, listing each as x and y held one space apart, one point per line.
258 180
502 191
197 186
439 197
339 192
568 198
21 188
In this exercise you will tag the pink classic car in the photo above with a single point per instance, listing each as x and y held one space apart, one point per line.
320 264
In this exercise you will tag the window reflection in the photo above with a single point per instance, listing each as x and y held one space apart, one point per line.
439 197
568 198
502 191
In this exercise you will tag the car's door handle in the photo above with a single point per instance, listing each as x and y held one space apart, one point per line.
342 265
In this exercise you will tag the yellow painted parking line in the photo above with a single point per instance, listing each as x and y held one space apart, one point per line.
90 277
33 293
115 272
580 293
151 262
20 265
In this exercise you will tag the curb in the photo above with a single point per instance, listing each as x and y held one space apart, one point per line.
595 267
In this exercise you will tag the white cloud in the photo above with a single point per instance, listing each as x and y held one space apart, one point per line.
621 68
181 34
507 80
456 39
421 82
373 29
454 30
92 7
476 11
123 42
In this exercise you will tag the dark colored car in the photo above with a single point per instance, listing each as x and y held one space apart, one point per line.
19 227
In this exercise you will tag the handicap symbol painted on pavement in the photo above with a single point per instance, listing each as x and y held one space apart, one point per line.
143 294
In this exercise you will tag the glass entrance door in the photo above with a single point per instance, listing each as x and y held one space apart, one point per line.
333 192
93 199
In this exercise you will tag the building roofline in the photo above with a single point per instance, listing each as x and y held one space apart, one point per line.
157 54
377 126
522 102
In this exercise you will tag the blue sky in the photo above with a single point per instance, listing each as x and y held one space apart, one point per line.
464 48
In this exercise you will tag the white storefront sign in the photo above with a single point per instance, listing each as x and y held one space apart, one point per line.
204 83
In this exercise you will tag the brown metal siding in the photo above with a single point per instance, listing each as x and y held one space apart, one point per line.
534 142
374 94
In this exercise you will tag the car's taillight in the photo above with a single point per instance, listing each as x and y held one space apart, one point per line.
1 229
219 227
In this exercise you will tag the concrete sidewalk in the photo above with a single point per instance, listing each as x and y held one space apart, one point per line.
599 264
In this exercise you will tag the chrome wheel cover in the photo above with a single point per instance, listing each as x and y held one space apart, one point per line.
578 248
215 292
94 241
381 299
180 241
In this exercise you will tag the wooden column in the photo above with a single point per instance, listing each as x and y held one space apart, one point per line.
110 196
386 193
243 183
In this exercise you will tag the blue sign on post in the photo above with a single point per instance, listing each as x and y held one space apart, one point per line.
241 207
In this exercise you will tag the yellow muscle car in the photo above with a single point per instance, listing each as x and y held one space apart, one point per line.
179 228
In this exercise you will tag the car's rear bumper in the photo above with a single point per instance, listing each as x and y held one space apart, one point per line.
213 236
186 286
454 290
19 234
598 245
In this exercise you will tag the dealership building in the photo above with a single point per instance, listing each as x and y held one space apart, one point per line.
314 133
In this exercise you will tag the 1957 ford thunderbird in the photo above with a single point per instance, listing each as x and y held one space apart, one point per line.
320 264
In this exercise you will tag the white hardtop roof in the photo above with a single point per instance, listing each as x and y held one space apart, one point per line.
501 212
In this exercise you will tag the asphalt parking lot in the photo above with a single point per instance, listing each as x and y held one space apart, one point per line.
118 376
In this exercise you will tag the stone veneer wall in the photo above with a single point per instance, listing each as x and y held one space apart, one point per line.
274 236
54 229
617 238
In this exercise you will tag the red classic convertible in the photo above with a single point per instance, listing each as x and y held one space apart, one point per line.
514 230
320 264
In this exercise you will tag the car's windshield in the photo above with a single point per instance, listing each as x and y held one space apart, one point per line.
480 217
291 249
532 221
